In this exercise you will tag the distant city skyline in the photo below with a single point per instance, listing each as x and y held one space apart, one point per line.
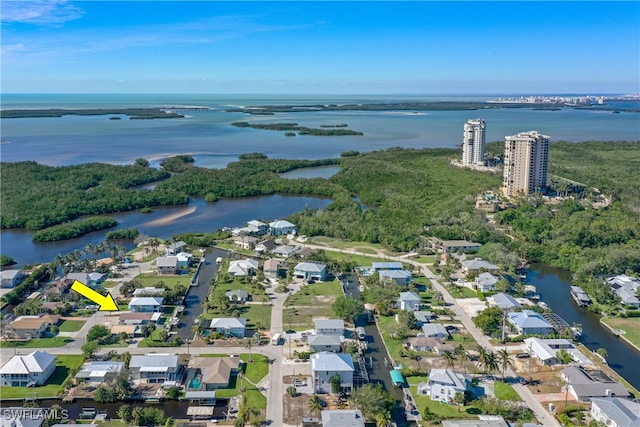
476 47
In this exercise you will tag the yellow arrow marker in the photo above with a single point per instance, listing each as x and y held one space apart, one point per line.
106 303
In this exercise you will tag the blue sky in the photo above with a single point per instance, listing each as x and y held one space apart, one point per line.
320 47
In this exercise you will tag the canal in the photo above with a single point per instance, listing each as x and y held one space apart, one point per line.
553 286
377 358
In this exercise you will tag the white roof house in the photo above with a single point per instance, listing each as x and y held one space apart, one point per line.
546 350
325 364
282 227
386 265
400 277
243 267
145 304
625 287
444 384
154 368
329 326
97 371
228 322
310 270
434 330
486 282
342 418
148 292
529 322
615 412
409 301
34 368
11 278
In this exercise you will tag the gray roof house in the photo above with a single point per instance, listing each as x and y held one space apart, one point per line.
435 330
386 265
409 301
485 282
319 343
329 327
505 301
96 372
615 412
625 287
342 418
285 250
529 322
265 246
154 368
445 383
310 270
423 317
477 264
325 364
239 296
167 264
281 227
11 278
398 277
149 292
229 326
584 387
174 248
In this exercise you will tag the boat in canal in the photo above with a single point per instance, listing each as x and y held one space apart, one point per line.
396 377
579 296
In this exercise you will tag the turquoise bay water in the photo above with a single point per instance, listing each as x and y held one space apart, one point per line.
210 137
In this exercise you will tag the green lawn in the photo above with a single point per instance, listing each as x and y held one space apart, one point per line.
109 284
443 410
152 279
388 325
71 325
312 301
462 292
37 343
64 366
256 370
504 391
631 326
360 260
254 313
425 259
366 247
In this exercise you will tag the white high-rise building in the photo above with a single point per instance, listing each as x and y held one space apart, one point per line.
526 158
473 141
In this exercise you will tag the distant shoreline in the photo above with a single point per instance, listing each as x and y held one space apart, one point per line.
132 113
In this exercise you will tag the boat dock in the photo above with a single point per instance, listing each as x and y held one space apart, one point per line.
579 296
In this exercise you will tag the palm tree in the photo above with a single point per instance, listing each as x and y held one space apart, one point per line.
383 419
449 359
458 399
482 354
503 358
463 356
315 404
602 352
490 362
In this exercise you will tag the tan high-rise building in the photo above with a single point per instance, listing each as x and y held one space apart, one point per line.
526 159
473 141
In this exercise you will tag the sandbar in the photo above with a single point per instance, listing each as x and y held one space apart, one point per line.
167 219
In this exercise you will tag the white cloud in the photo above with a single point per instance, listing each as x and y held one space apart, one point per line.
40 12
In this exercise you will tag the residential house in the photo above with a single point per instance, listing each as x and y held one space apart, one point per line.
244 242
305 252
11 278
13 416
237 296
386 265
265 246
546 350
445 383
408 301
395 277
435 330
423 317
146 304
478 265
167 264
155 368
318 343
285 251
28 327
257 228
89 279
58 289
310 271
626 288
175 248
213 373
243 267
527 322
58 307
184 258
329 327
282 228
485 282
615 412
326 364
342 418
424 343
584 387
229 326
131 330
32 369
504 301
149 292
96 372
138 318
451 246
271 268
